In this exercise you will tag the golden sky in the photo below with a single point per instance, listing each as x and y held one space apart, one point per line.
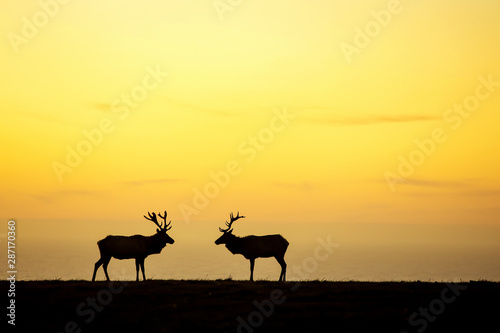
305 111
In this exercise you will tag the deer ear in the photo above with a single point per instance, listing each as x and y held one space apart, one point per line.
230 231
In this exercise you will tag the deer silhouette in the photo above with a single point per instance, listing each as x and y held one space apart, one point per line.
136 247
253 247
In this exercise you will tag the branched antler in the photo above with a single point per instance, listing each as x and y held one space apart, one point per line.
152 217
165 225
233 219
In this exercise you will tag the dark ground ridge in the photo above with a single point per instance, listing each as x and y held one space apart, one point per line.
261 306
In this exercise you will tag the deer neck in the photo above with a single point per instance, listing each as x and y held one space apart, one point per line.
234 245
155 244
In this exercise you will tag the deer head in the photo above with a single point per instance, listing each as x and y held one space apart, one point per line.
228 232
161 230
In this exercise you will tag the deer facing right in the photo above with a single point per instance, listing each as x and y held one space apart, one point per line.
253 247
136 247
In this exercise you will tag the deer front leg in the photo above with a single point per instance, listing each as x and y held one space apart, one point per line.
142 268
136 269
252 264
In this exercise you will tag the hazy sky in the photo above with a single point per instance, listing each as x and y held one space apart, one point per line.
299 111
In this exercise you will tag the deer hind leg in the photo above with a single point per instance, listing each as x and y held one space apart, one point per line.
252 265
281 261
105 263
96 267
98 264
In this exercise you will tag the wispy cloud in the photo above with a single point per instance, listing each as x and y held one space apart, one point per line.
44 117
144 182
487 192
50 197
466 187
299 186
237 108
198 108
442 184
104 107
368 120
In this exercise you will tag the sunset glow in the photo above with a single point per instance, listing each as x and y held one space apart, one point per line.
290 112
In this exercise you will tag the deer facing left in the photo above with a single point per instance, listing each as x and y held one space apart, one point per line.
136 247
253 247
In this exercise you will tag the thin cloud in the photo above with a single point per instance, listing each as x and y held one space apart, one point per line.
144 182
57 195
197 108
104 107
487 192
44 118
370 120
467 187
302 186
436 183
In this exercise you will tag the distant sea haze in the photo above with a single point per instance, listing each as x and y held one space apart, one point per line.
44 260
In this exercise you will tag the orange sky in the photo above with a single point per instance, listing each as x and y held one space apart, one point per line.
341 111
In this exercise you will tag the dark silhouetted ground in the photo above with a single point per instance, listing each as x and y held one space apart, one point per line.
240 306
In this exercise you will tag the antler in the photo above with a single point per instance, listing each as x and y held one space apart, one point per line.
152 217
229 224
165 225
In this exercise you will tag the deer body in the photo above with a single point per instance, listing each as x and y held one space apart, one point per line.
136 247
131 247
253 247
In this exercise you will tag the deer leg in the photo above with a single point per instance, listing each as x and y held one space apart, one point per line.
252 265
105 267
142 268
282 262
136 269
96 267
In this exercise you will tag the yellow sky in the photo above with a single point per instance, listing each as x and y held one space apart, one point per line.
296 115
